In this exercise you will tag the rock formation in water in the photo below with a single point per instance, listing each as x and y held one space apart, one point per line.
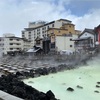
70 89
98 82
96 91
97 86
80 87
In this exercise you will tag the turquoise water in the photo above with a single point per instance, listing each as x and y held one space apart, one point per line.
85 76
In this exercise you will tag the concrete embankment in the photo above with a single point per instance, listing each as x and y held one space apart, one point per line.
6 96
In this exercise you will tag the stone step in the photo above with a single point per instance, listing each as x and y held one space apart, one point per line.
6 96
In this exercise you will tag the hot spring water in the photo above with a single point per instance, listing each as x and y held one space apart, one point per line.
85 76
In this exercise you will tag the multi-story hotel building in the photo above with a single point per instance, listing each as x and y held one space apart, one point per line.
9 43
41 29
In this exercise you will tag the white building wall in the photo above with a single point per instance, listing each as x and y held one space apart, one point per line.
59 23
86 34
26 45
1 46
26 34
6 45
65 43
33 36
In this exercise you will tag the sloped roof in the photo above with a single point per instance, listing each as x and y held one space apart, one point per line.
64 20
91 31
33 50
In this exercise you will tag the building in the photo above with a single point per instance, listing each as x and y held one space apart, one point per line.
26 44
40 29
86 40
64 42
78 32
10 43
65 29
97 35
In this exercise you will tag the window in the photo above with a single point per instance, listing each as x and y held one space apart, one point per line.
29 35
29 38
23 36
52 25
70 39
69 26
91 40
18 48
70 45
44 35
17 39
48 27
11 48
29 32
10 39
18 43
11 43
58 31
22 32
43 28
38 29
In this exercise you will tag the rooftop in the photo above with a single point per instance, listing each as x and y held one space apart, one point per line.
91 31
30 29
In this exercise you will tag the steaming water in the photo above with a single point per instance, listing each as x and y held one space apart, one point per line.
86 76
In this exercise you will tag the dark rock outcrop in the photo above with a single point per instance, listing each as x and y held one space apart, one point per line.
13 86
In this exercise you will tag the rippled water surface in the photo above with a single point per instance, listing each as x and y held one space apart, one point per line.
85 76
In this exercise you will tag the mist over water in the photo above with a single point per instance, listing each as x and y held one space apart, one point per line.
86 76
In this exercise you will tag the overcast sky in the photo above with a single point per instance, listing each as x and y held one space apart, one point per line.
15 14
